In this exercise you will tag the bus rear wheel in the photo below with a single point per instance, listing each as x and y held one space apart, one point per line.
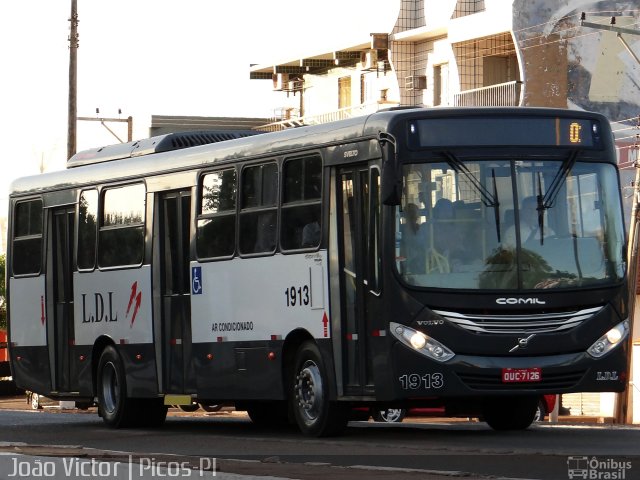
510 413
314 413
114 407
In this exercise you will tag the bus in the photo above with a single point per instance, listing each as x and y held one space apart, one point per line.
471 259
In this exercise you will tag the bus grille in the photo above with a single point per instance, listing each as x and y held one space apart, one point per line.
486 381
520 324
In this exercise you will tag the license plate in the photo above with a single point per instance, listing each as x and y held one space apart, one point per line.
521 375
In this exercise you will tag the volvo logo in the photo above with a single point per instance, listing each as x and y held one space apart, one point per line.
522 342
519 301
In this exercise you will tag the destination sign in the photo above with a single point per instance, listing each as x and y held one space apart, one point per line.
505 131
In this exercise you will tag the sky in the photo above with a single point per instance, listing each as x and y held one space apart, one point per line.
160 57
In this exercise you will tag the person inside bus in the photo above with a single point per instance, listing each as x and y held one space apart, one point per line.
414 241
529 224
447 250
311 234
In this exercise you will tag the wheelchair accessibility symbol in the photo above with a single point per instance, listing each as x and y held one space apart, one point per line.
196 280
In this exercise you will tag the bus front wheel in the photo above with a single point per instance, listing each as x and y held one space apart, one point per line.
314 413
510 413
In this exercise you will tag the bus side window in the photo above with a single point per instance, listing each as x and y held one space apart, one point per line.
27 238
216 227
87 229
121 235
302 191
258 209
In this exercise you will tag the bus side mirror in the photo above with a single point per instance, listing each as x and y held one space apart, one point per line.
391 188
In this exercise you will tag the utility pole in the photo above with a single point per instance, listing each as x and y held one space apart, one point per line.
624 400
73 80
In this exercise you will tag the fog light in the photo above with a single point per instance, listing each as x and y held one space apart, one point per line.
609 340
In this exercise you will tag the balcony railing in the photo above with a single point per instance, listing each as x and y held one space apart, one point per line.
500 95
340 114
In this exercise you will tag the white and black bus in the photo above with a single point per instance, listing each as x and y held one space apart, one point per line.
466 258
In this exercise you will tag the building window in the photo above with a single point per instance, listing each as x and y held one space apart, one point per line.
486 61
440 84
121 235
344 92
216 230
258 209
87 229
27 238
302 191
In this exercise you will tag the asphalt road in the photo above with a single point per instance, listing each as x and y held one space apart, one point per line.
424 449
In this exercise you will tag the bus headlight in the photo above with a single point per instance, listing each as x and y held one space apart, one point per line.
421 343
609 340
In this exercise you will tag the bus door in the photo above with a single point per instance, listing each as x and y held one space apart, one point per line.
173 229
357 224
60 289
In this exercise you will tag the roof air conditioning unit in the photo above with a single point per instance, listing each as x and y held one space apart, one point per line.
369 59
415 82
280 81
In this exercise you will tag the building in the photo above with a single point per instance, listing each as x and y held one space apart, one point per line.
481 53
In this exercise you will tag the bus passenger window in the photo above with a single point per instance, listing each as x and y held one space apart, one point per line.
216 227
87 229
302 184
121 236
258 211
27 240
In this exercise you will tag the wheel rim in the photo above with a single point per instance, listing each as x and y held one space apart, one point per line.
309 394
391 415
110 387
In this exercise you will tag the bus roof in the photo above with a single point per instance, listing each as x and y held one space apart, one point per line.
157 155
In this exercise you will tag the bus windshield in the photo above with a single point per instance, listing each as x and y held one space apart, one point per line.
510 224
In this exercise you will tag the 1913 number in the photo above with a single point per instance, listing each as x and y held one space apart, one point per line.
297 296
415 381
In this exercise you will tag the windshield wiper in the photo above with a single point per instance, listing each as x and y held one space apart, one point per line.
488 199
546 201
540 208
561 175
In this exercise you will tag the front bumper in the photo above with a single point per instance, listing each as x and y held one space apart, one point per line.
416 376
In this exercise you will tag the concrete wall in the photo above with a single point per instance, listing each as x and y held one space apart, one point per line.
565 65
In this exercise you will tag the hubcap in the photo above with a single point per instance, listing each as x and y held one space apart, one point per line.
309 394
391 415
110 387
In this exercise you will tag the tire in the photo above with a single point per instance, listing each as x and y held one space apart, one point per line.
35 401
390 415
116 410
211 408
313 412
510 413
189 408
